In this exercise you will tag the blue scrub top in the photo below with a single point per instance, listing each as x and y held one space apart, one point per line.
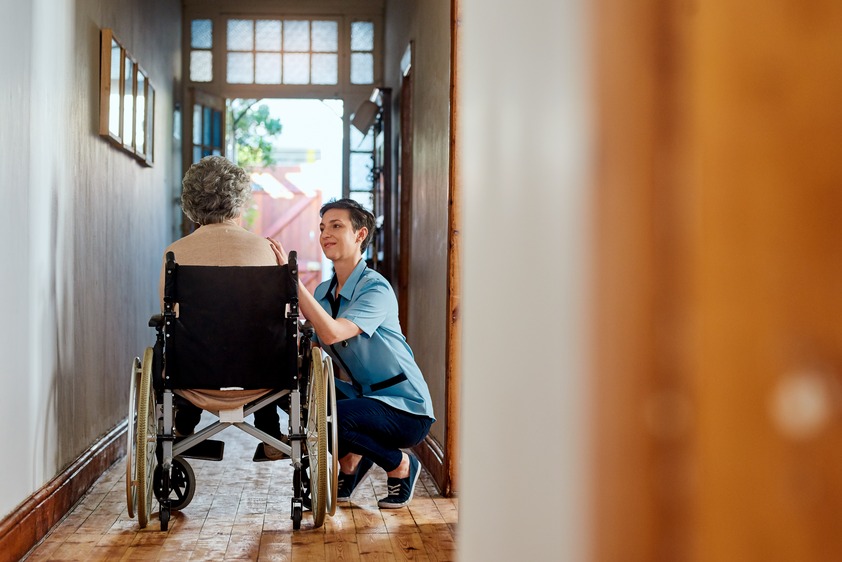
376 358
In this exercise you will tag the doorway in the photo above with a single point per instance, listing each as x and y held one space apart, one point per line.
292 148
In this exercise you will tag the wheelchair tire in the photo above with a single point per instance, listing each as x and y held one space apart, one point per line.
146 439
332 437
131 484
316 432
182 482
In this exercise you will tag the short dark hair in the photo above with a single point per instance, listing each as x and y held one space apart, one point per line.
360 217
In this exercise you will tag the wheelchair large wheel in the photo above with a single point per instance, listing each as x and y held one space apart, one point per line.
317 439
182 483
332 444
131 488
143 431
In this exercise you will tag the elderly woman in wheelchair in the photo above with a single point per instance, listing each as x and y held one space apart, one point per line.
228 342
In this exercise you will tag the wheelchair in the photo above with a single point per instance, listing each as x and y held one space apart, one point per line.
230 328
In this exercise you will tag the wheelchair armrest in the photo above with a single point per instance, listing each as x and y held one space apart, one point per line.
157 321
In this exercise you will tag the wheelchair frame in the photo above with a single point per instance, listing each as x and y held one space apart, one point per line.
154 461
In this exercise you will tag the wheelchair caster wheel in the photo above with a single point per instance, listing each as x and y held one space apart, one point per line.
296 517
165 518
182 484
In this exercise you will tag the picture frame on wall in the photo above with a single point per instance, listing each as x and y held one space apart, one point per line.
127 101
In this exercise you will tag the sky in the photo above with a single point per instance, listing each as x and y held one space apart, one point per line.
313 124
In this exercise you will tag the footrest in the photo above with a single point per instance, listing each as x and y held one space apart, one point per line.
208 450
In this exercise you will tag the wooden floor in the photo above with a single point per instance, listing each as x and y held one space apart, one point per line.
241 512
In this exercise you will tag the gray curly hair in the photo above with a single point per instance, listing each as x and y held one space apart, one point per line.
214 189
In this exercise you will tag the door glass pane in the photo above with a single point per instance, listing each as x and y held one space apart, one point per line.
217 128
364 198
361 164
197 124
206 125
360 142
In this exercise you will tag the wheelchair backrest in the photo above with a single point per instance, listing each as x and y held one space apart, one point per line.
233 328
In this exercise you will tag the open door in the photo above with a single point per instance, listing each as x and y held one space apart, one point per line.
204 124
405 200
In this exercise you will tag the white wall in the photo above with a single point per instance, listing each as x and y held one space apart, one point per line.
527 155
15 320
82 225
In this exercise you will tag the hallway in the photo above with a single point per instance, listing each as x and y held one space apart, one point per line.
240 511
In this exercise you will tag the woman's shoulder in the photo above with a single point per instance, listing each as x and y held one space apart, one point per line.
371 280
223 245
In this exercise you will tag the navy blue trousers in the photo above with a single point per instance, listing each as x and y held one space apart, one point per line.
370 428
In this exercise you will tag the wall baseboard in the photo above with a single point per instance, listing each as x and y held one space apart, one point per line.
33 519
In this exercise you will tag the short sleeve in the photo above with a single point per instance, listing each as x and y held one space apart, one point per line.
370 307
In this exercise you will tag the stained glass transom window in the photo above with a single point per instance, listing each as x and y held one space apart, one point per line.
201 58
281 51
201 34
362 52
295 51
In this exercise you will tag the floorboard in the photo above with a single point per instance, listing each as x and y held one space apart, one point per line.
240 511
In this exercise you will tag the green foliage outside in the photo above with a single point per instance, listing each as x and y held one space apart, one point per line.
254 132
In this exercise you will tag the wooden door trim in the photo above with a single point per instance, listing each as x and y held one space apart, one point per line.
440 460
453 336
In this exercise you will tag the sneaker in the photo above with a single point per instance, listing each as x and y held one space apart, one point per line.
348 483
401 489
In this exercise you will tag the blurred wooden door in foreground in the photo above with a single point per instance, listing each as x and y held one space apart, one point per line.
718 401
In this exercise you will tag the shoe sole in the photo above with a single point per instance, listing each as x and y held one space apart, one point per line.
390 505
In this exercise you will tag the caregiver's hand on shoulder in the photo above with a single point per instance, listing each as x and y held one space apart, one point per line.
280 253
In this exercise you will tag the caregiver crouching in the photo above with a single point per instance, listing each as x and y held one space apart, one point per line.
386 407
